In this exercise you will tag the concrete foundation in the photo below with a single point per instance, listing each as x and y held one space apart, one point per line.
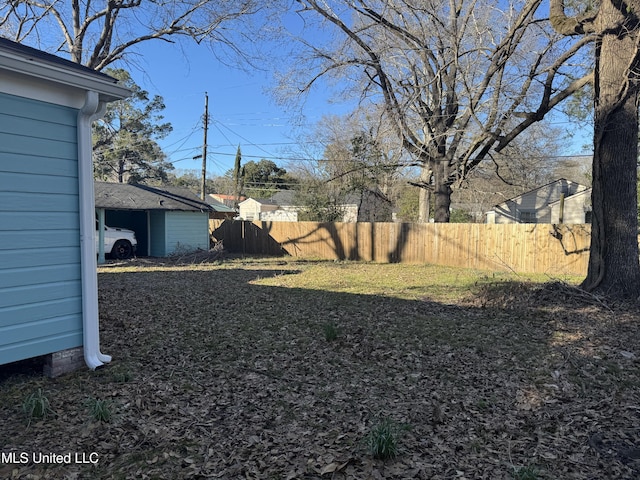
64 361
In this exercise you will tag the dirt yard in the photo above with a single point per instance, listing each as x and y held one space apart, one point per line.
276 369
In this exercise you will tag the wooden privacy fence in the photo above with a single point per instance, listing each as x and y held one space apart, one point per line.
533 248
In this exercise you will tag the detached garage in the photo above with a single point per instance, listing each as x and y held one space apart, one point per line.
166 220
48 279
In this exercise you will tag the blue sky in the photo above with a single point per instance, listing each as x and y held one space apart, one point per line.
241 110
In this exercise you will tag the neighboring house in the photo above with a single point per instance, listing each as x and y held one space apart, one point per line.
219 210
286 209
575 209
561 201
369 206
228 200
167 220
48 279
253 209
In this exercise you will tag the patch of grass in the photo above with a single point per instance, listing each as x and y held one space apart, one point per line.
526 473
404 281
101 410
330 331
37 406
383 441
121 375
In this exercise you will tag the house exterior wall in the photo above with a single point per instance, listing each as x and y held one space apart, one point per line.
250 209
186 231
279 216
349 213
575 209
157 228
40 272
533 206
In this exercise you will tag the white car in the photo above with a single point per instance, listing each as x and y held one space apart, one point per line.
119 242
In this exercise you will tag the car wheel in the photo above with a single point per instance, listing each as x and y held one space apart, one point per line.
122 250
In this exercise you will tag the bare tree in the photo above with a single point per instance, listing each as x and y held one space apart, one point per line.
613 261
97 33
458 78
528 162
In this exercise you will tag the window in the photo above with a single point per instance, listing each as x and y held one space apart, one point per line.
588 216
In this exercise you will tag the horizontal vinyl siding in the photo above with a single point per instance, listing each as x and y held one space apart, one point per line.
40 278
187 231
157 233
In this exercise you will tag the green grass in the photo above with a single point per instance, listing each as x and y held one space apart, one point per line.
528 472
408 282
383 441
37 406
330 331
101 410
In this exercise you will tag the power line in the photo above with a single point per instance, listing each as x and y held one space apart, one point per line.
239 136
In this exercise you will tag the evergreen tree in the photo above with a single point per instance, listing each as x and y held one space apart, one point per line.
238 177
125 147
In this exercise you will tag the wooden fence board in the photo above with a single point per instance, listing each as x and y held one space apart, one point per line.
533 248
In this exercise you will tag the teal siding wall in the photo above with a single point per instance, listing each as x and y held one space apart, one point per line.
157 223
187 231
40 279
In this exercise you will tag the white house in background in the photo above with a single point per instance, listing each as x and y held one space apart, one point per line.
48 278
561 201
574 209
278 208
253 209
369 206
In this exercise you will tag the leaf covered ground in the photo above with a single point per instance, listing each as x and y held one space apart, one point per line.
277 369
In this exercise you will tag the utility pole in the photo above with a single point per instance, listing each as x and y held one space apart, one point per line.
204 147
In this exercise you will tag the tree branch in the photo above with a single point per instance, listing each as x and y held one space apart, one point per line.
578 25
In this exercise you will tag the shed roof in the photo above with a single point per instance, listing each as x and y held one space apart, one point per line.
217 206
124 196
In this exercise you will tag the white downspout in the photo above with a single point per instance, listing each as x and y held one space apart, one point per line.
92 110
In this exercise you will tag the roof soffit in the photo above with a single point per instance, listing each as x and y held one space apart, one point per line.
28 62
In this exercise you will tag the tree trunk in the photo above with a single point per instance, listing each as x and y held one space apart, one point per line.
613 263
442 207
424 196
442 193
424 204
121 164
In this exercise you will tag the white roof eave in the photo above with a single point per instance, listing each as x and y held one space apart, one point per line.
108 90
